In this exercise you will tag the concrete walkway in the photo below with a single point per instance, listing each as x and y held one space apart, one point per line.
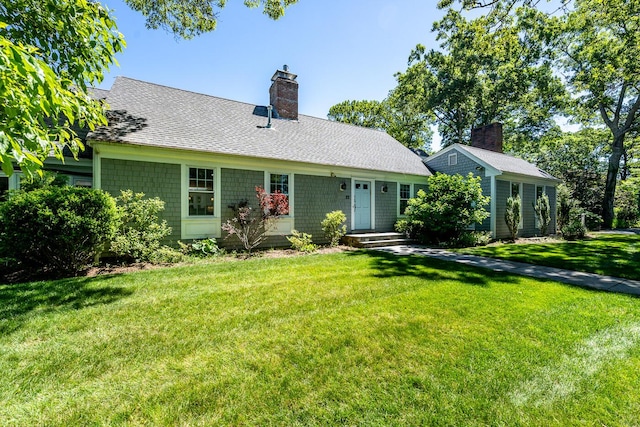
585 280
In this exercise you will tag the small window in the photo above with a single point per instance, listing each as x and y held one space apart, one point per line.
540 190
453 159
279 183
365 186
357 186
201 193
405 195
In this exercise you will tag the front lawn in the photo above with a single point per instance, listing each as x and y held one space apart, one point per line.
609 254
356 338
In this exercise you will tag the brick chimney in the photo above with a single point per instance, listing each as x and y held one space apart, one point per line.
283 94
488 137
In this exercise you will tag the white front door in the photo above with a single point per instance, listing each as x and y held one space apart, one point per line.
362 203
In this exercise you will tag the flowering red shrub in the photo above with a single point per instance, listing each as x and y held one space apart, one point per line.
251 227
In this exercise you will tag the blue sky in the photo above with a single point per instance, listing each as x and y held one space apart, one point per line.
340 49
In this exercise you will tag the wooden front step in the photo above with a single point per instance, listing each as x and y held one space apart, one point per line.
375 240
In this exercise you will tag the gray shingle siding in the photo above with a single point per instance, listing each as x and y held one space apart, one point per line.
314 197
528 212
386 206
153 179
503 191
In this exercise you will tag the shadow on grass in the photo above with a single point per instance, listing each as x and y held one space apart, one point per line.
610 255
388 264
23 300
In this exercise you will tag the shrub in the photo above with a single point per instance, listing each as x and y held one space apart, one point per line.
627 203
301 241
202 248
512 216
573 229
47 179
251 226
334 227
543 213
57 230
445 212
469 238
140 231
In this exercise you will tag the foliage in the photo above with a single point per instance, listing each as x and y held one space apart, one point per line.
334 226
190 18
628 203
45 179
479 76
57 230
301 242
512 215
203 248
574 157
250 225
397 116
442 214
50 50
140 231
543 213
566 203
469 239
574 228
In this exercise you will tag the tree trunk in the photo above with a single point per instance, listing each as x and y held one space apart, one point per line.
612 179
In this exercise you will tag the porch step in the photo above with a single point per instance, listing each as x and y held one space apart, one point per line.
375 240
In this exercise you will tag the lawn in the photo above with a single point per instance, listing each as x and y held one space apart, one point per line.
354 338
609 254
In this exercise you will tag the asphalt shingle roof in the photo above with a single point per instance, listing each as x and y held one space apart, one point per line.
143 113
506 163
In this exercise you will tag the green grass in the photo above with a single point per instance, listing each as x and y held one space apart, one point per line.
609 254
361 338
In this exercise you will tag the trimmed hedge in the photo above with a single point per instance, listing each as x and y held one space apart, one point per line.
57 230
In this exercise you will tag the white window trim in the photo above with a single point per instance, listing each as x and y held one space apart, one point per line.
411 195
200 226
285 223
452 159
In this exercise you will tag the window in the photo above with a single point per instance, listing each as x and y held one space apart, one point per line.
405 195
453 159
201 194
279 183
4 187
540 190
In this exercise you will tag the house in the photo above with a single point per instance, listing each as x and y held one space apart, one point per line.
202 155
502 176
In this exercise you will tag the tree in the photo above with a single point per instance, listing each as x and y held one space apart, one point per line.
50 51
512 216
543 213
597 54
396 115
481 75
190 18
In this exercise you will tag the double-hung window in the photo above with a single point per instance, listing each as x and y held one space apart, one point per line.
201 191
279 184
405 195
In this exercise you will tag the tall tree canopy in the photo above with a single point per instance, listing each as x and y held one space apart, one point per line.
481 75
397 116
50 50
189 18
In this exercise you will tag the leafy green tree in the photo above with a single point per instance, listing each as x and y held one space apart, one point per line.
444 212
595 46
50 51
189 18
398 116
479 76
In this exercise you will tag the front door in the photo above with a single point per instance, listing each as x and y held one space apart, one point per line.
362 205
